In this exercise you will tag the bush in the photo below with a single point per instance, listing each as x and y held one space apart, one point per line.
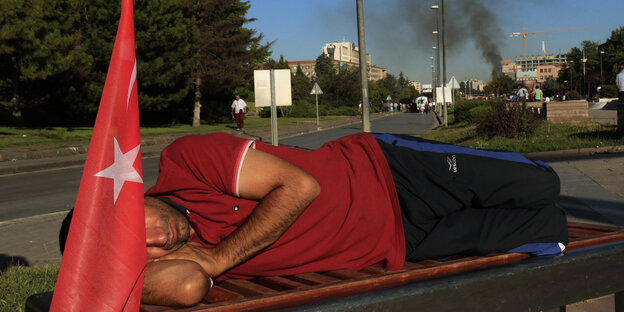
479 112
342 111
608 91
509 120
462 108
573 95
303 109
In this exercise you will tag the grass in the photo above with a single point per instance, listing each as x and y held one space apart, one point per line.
20 136
549 137
17 283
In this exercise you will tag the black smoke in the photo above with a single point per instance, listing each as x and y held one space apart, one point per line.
408 24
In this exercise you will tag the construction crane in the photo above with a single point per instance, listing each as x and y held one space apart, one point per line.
524 35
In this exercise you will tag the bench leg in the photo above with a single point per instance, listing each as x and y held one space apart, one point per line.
619 301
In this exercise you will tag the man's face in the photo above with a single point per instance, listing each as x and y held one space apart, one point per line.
166 229
237 97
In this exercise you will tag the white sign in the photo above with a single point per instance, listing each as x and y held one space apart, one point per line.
427 88
262 87
447 94
531 75
453 83
316 89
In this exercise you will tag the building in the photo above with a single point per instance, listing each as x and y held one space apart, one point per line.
308 67
416 85
530 63
509 69
548 71
345 52
472 84
341 53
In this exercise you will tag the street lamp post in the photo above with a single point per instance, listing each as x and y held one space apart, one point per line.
437 52
601 78
363 74
432 73
434 86
444 68
584 88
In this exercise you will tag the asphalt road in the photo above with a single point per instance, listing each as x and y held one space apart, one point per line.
37 193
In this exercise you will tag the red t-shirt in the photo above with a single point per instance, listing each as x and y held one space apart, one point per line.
354 222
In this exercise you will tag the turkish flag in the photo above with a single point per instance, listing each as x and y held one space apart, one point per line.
105 256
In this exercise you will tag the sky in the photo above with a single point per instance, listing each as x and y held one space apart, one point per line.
399 37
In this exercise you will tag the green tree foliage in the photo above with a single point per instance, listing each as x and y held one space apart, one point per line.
324 66
614 54
272 64
54 55
163 47
341 88
390 86
550 87
501 84
40 53
222 52
301 86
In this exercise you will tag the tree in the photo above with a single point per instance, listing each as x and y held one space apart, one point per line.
550 87
614 54
163 47
39 52
390 85
272 64
324 66
301 85
221 52
500 84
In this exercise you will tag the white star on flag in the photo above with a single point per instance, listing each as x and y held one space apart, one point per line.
122 169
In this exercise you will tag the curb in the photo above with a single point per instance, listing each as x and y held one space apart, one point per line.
576 153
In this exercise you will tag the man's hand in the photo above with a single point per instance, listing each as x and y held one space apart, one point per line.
197 253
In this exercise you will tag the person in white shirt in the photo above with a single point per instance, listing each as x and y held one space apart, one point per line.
239 108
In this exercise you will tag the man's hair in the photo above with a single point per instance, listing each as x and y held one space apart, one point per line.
65 230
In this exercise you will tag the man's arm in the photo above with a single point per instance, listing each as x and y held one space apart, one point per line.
283 191
174 283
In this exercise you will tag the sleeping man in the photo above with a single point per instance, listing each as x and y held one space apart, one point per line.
227 207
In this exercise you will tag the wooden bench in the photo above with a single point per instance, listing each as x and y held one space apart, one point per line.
592 266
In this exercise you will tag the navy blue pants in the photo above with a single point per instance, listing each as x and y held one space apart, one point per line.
457 200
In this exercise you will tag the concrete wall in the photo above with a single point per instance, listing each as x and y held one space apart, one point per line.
564 111
620 117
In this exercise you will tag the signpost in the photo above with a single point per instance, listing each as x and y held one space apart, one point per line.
316 90
454 85
272 89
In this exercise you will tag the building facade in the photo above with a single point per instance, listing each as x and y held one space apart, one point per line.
509 69
416 85
308 68
548 71
530 63
345 52
341 53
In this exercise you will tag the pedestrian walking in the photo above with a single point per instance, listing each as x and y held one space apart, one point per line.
619 82
522 94
239 108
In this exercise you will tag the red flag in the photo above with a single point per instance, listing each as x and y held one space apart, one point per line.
104 259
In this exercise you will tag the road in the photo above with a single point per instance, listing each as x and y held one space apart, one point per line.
37 193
